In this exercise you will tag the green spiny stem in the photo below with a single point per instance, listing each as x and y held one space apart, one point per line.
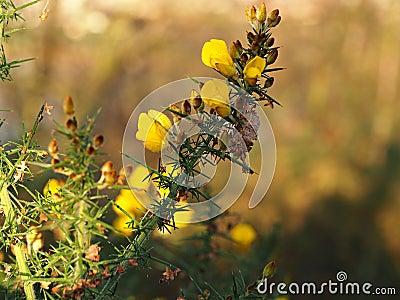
18 247
136 244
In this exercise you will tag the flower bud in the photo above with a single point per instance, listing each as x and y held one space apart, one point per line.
273 18
195 99
90 150
244 58
261 13
251 13
53 148
236 49
107 167
71 124
272 56
175 117
98 140
270 41
273 14
250 36
255 46
68 106
186 107
269 270
269 82
276 22
110 177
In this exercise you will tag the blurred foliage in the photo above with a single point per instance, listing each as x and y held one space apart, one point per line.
336 189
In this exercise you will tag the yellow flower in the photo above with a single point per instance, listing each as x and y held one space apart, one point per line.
126 199
120 223
34 241
215 55
254 69
52 187
152 128
244 235
215 93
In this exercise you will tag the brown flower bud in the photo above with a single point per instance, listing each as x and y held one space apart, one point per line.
235 49
98 140
71 124
175 117
270 41
250 36
107 167
244 58
255 46
68 106
55 161
275 22
273 14
186 107
269 82
53 148
273 18
90 150
195 99
272 56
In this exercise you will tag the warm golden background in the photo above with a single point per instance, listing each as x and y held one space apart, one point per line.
336 192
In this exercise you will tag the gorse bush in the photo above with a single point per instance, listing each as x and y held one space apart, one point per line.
53 240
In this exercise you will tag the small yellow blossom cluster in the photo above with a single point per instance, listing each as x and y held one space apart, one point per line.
248 67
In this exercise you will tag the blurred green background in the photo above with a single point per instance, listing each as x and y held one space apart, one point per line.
336 192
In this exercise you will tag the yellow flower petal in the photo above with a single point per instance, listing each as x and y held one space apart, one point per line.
254 67
52 187
215 93
126 199
120 223
137 178
152 129
162 119
215 51
226 70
